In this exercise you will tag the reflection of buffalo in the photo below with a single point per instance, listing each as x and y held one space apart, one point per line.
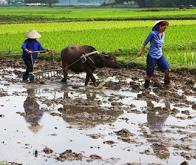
78 59
85 111
88 116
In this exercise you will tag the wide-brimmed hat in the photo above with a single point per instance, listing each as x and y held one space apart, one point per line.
33 34
159 21
35 127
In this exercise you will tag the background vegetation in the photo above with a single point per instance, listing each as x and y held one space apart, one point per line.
139 3
61 14
124 37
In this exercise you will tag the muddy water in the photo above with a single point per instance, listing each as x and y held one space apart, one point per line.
118 122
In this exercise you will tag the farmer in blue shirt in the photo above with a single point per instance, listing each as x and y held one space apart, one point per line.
30 48
155 54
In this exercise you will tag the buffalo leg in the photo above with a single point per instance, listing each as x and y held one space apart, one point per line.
87 79
65 73
89 75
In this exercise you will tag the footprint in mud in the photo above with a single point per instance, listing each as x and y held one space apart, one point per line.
69 155
125 135
161 150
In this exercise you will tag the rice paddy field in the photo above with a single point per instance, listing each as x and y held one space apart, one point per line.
119 122
118 30
94 13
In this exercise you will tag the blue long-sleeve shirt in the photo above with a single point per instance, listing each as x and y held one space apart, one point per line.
156 44
32 45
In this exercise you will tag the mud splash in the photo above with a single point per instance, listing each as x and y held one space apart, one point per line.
48 122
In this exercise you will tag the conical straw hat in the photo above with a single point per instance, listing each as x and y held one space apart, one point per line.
35 127
33 34
156 22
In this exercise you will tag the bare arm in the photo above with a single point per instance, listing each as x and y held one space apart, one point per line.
141 51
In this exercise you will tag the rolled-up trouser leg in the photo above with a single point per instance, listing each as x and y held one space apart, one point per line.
150 62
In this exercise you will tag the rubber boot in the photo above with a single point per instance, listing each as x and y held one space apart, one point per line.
25 77
147 84
166 81
31 77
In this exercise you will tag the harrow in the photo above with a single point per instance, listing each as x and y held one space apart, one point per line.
51 70
47 74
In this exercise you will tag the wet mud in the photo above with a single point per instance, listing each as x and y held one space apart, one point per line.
118 122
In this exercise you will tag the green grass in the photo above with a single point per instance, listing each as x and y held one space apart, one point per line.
3 163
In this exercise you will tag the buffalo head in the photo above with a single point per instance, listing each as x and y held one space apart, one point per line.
108 61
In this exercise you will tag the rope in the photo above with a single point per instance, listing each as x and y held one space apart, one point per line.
83 58
134 58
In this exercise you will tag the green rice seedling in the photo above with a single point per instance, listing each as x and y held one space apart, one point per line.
107 36
22 14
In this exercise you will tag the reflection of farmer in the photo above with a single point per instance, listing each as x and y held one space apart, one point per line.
32 112
155 54
29 46
155 122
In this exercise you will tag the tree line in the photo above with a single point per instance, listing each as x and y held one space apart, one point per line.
160 3
141 3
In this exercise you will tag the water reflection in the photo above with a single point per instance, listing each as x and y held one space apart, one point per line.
33 114
85 112
155 122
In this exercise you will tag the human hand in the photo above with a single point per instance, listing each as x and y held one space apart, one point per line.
50 51
139 53
29 51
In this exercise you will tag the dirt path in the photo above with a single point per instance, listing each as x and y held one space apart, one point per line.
119 122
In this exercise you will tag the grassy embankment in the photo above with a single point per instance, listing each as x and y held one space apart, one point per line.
24 14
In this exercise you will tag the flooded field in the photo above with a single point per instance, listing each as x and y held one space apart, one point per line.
118 122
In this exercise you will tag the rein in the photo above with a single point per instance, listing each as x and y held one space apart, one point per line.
134 58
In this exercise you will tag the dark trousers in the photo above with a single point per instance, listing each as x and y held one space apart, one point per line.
29 69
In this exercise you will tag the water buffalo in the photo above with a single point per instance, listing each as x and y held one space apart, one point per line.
77 59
